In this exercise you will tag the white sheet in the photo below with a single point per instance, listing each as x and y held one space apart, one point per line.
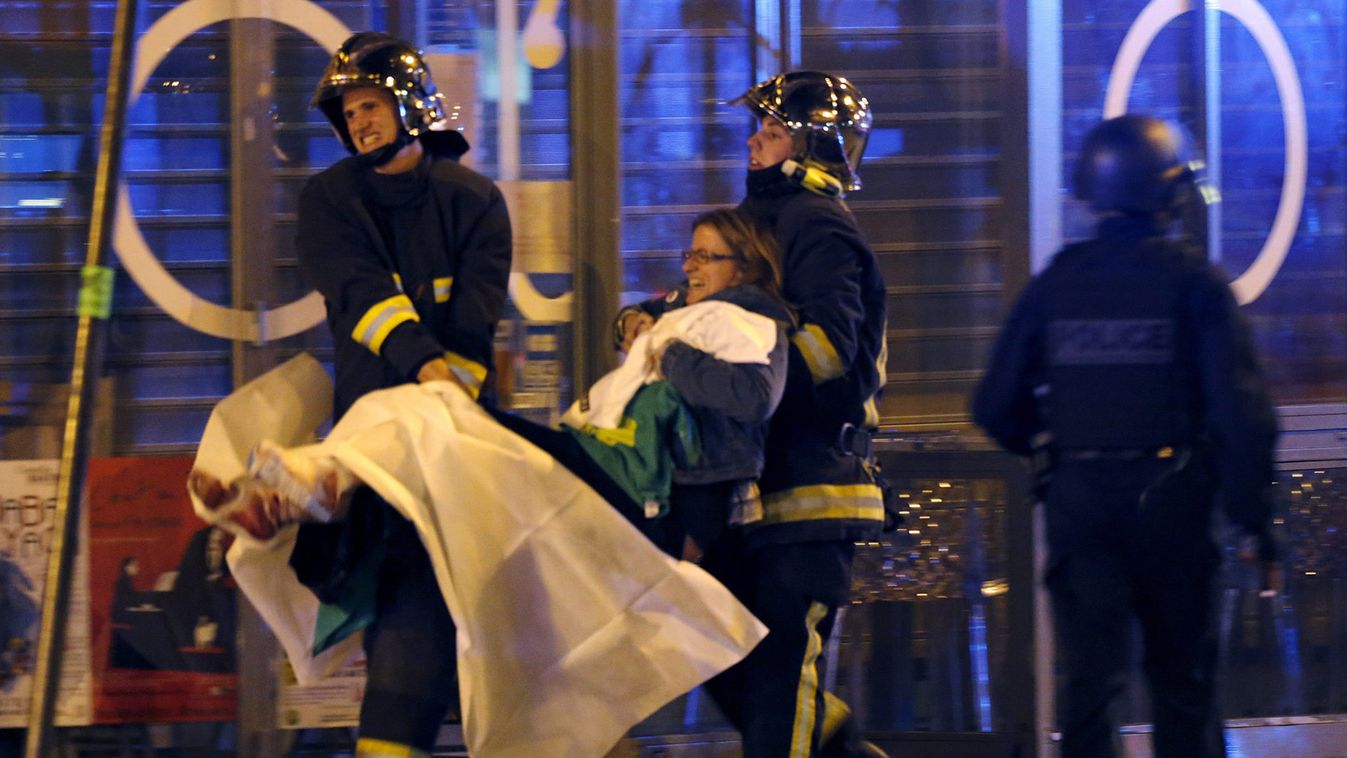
572 627
725 330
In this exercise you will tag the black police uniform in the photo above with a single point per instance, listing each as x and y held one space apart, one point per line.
1126 364
413 267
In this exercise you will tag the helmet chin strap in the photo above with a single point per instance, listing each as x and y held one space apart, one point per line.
381 156
813 178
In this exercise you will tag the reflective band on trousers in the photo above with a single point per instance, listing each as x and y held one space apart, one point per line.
367 747
806 696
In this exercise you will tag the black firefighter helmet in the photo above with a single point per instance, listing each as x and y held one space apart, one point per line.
827 116
1134 164
375 59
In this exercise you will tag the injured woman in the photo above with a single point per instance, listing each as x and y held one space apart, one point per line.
550 546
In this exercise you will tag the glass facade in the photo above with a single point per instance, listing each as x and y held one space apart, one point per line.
932 642
1216 73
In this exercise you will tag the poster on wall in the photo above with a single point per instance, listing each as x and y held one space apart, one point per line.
27 506
333 701
162 602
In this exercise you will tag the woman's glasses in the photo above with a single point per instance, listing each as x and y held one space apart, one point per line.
702 257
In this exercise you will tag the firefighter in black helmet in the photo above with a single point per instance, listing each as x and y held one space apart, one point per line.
789 559
374 60
1126 366
411 252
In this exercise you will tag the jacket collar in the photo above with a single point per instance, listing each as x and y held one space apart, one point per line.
753 298
770 182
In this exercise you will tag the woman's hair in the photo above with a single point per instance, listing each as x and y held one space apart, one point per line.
754 245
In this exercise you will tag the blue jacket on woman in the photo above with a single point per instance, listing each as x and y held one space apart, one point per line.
731 402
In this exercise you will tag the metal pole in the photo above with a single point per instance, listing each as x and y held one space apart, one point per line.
1206 78
507 100
776 27
597 178
90 337
253 250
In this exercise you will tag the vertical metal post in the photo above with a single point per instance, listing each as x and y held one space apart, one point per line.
406 20
252 247
1043 124
507 101
1030 223
252 239
792 46
1016 205
90 338
597 179
1206 79
776 27
768 57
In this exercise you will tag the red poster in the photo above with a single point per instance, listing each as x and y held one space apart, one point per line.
162 603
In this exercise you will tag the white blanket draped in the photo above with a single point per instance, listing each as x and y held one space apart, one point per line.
725 330
572 627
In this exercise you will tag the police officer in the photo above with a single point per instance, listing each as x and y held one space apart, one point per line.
411 252
790 561
1127 367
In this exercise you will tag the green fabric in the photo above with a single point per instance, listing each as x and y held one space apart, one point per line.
639 455
354 609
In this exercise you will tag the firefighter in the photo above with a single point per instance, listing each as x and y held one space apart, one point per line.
411 252
790 562
1127 367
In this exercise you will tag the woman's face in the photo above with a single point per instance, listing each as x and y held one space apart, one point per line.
710 264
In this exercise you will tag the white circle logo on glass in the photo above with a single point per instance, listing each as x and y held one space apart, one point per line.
1251 284
140 261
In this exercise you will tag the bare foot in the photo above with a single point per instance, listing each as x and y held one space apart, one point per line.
316 485
212 492
258 509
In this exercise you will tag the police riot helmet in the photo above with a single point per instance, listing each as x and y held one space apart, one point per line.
827 116
1134 164
375 59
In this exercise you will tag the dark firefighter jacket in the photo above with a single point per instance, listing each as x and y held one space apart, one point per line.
412 267
812 488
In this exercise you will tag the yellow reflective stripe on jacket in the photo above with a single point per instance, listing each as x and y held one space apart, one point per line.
443 285
470 372
819 353
871 413
835 713
368 747
397 279
806 695
882 371
624 435
824 501
380 319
